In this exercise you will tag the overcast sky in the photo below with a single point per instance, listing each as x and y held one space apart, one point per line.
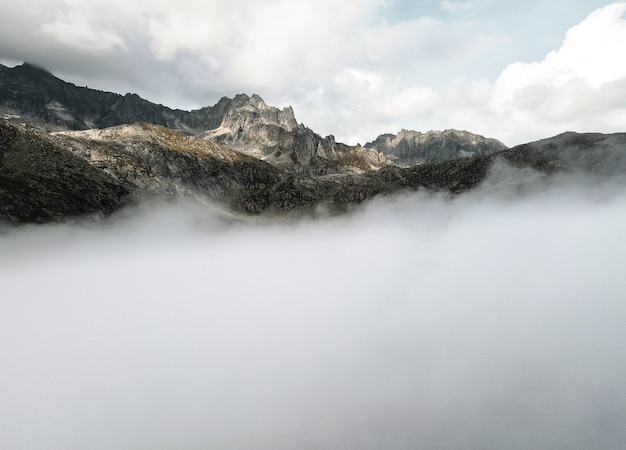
516 71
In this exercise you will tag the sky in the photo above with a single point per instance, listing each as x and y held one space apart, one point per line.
420 321
515 71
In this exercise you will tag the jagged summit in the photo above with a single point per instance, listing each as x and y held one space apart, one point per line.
245 111
266 132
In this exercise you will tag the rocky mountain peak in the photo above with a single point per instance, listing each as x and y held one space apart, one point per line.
244 111
252 127
258 102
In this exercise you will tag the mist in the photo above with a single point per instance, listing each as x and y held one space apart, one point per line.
420 321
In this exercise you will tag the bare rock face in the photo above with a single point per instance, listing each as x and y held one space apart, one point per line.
273 135
409 148
249 125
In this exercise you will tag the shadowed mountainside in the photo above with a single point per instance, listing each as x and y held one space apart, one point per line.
69 151
47 177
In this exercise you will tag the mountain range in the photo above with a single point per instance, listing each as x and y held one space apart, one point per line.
69 151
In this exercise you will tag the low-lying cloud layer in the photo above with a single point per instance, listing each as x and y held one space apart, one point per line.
419 322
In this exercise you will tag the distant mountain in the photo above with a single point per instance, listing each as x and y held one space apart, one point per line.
409 148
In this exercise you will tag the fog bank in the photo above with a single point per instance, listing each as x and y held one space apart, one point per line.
418 322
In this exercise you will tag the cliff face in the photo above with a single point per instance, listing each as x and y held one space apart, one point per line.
273 135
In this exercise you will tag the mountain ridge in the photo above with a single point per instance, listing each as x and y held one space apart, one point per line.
243 122
50 177
250 158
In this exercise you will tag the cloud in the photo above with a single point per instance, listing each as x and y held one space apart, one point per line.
421 321
588 53
76 30
365 100
346 67
578 87
259 44
290 53
457 7
87 26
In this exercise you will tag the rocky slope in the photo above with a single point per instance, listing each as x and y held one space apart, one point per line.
68 151
409 148
47 177
41 180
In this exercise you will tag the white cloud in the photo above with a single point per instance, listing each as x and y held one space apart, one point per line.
78 27
578 87
456 7
344 70
589 52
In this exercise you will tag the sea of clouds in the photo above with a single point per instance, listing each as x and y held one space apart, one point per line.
419 321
